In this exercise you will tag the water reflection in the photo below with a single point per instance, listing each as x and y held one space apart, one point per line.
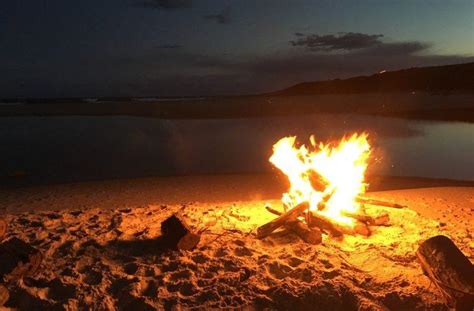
81 148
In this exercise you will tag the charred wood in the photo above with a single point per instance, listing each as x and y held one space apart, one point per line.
309 235
380 220
325 224
289 215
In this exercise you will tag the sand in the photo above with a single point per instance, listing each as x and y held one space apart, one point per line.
101 247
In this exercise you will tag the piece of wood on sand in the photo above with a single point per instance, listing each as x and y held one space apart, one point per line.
334 229
289 215
309 235
449 269
379 202
361 228
178 235
379 220
18 259
4 295
325 224
3 228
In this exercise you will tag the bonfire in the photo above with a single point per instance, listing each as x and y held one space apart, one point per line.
327 183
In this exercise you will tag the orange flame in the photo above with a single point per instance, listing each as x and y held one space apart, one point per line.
339 167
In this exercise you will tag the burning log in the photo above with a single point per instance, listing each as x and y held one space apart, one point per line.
334 229
178 235
309 235
380 220
449 269
18 259
362 229
325 224
290 215
317 181
379 203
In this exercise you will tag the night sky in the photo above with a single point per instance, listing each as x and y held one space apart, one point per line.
59 48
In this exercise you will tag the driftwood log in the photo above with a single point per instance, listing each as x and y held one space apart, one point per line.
450 271
4 295
18 259
336 230
379 202
380 220
361 228
290 215
177 234
325 224
309 235
3 228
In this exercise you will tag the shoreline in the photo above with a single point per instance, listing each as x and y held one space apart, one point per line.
420 106
123 193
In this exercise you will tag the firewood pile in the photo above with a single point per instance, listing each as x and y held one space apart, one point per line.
310 225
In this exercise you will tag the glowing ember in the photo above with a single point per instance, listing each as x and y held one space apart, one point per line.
327 170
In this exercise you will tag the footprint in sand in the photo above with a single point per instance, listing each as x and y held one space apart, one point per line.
65 249
60 291
120 284
92 277
279 270
327 275
130 268
231 265
181 275
304 274
185 288
151 289
294 261
243 251
199 258
127 301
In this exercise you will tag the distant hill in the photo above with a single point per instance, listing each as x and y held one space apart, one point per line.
438 79
417 93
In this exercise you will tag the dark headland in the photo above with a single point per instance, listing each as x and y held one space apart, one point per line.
433 93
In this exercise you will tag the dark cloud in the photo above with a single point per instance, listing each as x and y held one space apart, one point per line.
397 48
169 46
222 18
164 4
342 41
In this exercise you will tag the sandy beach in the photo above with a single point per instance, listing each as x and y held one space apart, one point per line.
101 246
230 155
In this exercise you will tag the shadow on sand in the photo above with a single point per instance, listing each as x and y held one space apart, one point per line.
145 247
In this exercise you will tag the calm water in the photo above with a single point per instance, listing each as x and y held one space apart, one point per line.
48 149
